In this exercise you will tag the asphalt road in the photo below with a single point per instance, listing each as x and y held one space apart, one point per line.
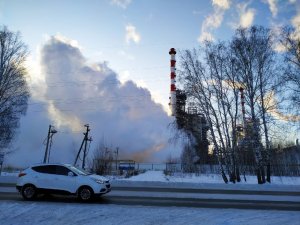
181 198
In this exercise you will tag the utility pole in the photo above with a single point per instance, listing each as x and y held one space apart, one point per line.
84 142
51 132
85 145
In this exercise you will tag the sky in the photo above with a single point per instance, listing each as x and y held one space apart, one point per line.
106 63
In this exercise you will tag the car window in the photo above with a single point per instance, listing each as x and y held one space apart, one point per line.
78 171
61 170
50 169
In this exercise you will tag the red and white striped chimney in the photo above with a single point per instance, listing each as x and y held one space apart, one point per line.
172 103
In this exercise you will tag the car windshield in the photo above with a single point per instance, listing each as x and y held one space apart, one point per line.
79 171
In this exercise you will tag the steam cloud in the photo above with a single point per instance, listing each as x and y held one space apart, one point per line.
73 93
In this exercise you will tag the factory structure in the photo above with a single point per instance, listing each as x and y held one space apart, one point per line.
194 123
187 116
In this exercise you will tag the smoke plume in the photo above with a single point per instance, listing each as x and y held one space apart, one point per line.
71 93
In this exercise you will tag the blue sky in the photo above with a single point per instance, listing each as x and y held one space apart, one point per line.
133 37
99 27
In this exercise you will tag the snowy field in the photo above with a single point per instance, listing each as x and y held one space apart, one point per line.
29 213
206 178
204 181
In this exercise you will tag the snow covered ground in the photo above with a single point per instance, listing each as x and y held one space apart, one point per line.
159 176
30 213
180 180
33 213
206 178
204 181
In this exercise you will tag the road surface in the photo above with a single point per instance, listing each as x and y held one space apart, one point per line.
182 197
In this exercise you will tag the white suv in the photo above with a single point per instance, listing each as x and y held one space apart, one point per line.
60 179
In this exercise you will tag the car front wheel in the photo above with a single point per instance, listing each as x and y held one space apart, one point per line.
85 194
28 192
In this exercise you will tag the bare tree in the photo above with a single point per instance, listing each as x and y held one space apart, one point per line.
213 77
255 59
102 159
14 92
204 80
291 42
225 88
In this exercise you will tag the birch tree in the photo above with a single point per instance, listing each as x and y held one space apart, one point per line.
255 59
291 41
204 79
212 78
14 92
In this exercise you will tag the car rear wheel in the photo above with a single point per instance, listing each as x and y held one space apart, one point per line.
28 192
85 194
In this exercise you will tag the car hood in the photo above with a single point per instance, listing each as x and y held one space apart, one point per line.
94 176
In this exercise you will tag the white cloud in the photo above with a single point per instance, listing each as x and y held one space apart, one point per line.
132 34
296 24
121 3
296 20
246 15
214 20
270 96
292 1
224 4
273 6
247 18
277 33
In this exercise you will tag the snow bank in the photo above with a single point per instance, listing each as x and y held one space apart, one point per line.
214 181
148 176
205 178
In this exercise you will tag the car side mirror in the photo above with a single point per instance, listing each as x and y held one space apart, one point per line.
71 174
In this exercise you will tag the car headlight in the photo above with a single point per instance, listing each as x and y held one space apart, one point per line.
99 181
